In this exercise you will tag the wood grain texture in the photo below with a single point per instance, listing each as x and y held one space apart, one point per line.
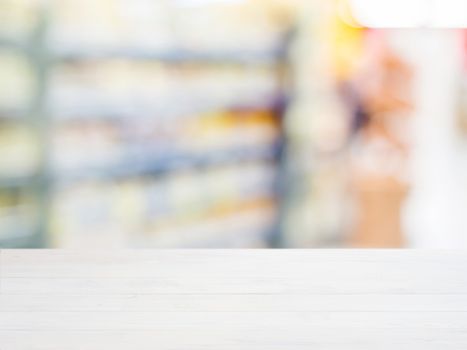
233 299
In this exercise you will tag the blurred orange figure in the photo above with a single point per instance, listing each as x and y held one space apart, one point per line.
379 153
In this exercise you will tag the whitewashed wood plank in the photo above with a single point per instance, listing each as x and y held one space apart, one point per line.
233 299
233 272
130 321
232 339
115 263
250 282
233 303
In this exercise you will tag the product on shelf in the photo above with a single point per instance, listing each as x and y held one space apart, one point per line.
119 88
85 145
160 26
248 27
110 26
16 84
19 153
317 128
148 209
17 19
109 147
18 215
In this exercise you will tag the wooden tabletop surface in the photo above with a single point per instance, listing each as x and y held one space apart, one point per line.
233 299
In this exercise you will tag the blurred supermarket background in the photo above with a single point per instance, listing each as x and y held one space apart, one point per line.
229 123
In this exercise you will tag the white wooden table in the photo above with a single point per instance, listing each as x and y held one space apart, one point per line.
233 299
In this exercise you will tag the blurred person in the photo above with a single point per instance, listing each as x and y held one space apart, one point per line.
379 153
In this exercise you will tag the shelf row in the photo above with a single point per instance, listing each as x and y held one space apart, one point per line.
125 89
144 208
177 56
116 148
145 166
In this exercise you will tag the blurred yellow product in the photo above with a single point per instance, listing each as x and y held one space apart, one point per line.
18 214
347 43
16 83
19 152
129 206
18 18
258 128
184 192
214 127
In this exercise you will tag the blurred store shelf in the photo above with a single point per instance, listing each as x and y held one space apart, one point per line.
175 56
142 104
14 44
151 166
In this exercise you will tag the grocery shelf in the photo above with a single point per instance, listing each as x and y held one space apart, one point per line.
17 182
13 115
14 44
172 56
109 113
168 163
48 114
239 229
20 239
30 232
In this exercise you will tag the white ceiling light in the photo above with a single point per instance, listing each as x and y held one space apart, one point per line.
410 13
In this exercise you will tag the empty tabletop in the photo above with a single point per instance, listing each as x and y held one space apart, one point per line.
233 299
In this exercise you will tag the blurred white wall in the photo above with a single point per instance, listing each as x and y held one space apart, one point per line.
436 212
